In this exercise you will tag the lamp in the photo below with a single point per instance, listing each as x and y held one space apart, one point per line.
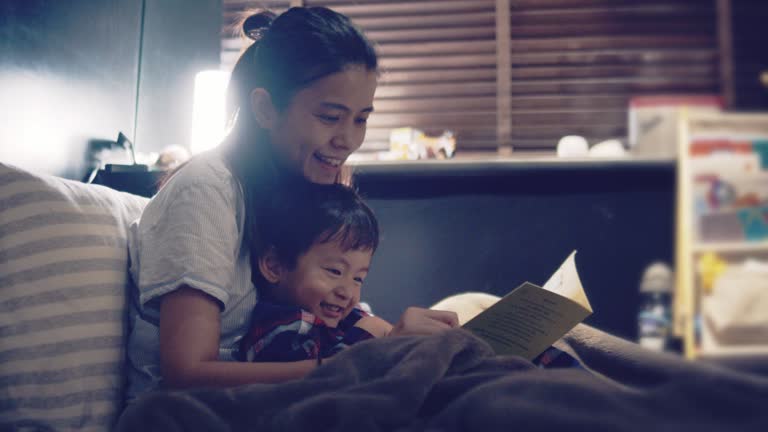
208 110
127 144
99 146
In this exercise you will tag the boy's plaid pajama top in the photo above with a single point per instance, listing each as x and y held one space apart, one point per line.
282 333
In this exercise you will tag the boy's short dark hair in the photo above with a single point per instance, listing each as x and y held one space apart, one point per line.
316 213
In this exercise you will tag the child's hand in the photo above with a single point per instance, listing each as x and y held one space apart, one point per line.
420 321
374 325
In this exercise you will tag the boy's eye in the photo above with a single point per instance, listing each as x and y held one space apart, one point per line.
359 280
333 271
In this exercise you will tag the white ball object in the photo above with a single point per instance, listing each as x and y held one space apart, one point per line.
572 146
608 148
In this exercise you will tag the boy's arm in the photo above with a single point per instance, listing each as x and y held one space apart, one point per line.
414 321
189 347
374 325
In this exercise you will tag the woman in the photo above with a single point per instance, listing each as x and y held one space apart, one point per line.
299 98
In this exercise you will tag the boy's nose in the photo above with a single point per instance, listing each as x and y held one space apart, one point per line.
346 290
342 293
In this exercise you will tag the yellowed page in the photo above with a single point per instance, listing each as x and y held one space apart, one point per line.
566 282
530 318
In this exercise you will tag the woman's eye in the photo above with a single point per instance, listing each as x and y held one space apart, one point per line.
328 118
361 120
333 271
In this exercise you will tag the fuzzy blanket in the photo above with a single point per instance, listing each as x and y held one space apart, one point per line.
454 382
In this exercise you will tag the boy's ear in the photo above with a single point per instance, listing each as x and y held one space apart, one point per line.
270 266
263 109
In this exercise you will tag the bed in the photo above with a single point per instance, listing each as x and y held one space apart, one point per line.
454 382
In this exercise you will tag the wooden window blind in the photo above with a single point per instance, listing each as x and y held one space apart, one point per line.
233 11
438 60
573 64
576 63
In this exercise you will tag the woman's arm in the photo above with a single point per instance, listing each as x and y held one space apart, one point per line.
189 347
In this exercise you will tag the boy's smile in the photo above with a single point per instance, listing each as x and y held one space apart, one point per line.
326 281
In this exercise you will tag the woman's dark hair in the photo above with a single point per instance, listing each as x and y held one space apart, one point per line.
289 53
291 223
292 50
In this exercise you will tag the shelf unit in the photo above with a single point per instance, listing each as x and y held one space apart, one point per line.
694 126
731 247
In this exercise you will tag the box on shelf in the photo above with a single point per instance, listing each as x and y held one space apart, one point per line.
745 224
735 312
754 222
729 191
730 201
654 120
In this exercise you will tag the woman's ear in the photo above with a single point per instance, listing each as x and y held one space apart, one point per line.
270 266
263 109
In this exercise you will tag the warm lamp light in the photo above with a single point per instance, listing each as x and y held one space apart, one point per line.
208 110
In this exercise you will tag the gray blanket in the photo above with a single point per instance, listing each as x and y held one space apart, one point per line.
454 382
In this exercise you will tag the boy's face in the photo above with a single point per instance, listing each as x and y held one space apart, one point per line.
326 281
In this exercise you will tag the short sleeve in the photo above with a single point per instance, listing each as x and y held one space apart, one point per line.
189 235
350 334
355 315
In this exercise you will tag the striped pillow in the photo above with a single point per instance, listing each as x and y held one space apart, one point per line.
63 276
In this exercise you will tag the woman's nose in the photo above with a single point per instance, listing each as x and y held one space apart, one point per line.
341 140
349 136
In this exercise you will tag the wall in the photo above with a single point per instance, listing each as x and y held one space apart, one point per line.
69 73
181 38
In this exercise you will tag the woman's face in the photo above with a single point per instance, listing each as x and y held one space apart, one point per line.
325 122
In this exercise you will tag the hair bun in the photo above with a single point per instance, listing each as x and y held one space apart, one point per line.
255 25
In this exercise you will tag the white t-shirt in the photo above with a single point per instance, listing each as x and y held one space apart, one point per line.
191 234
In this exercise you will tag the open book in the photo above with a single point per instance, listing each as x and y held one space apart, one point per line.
530 318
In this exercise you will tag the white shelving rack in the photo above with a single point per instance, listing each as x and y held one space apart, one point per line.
689 248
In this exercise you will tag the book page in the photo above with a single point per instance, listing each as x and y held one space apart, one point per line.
529 319
565 281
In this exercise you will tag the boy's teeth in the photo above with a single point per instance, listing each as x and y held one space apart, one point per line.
333 307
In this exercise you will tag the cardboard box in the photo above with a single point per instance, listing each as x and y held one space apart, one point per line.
653 121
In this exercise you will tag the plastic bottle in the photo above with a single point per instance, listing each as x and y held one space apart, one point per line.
655 316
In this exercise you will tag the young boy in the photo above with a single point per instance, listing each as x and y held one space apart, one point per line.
315 254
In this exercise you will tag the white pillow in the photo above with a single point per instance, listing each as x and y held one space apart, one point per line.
63 278
466 305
